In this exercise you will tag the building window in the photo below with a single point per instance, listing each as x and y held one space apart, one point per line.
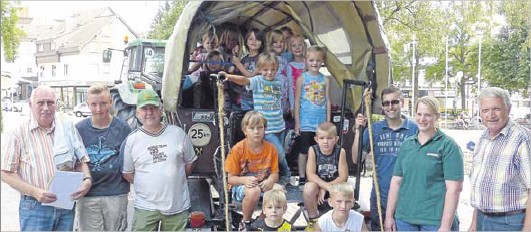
54 70
39 47
66 69
42 71
29 70
47 47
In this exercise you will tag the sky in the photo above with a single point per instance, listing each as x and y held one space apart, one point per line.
137 14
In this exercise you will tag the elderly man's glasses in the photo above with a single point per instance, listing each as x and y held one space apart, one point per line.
388 103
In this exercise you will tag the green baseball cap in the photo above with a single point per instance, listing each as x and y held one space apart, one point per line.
147 97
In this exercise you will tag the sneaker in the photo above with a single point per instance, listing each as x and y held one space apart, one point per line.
245 226
302 181
310 226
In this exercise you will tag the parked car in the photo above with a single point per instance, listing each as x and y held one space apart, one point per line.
82 110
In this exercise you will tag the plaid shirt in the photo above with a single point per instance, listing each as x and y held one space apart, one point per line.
501 170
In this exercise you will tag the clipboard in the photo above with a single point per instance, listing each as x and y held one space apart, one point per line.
63 184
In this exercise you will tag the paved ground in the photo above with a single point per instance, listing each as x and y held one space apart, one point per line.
10 198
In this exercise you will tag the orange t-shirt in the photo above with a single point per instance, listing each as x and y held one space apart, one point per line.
242 162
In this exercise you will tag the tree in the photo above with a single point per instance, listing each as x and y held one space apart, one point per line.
11 34
507 56
165 19
463 22
405 21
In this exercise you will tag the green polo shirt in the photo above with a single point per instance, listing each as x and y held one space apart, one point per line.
424 170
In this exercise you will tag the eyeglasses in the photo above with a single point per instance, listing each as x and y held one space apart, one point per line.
388 103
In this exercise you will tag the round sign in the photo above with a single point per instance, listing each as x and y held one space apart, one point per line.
200 134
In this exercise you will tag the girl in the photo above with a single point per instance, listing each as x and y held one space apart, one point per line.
297 47
209 42
312 104
247 66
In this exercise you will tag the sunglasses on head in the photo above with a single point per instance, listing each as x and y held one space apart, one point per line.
392 102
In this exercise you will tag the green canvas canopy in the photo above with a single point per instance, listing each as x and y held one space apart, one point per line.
351 32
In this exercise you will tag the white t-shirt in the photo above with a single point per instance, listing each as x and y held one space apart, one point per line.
158 162
354 222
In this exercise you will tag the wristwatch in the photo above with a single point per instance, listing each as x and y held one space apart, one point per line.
89 178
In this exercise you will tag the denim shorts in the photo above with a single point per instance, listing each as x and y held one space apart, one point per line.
33 216
238 193
406 226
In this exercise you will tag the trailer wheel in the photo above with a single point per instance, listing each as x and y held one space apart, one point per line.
124 111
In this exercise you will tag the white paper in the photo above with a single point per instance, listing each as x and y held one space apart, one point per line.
63 184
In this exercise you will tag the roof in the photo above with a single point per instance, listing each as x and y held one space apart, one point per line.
351 31
82 27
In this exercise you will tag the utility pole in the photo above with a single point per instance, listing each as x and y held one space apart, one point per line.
446 85
413 83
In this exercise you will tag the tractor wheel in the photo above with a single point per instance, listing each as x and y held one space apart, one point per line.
125 111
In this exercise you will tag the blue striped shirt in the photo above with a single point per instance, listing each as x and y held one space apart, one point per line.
267 96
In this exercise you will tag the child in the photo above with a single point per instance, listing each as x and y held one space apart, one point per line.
209 42
229 46
274 206
327 164
287 32
341 217
252 165
295 68
312 105
197 88
247 66
276 44
267 93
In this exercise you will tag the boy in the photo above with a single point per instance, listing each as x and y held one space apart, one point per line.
312 104
342 217
274 207
252 165
267 89
327 164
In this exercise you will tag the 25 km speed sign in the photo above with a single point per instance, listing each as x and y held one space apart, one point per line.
200 134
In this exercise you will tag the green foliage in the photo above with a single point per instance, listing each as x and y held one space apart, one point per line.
164 21
11 34
507 56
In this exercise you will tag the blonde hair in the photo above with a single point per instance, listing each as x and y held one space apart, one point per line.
328 128
431 103
253 118
316 49
343 188
209 35
299 37
266 59
98 88
275 196
275 35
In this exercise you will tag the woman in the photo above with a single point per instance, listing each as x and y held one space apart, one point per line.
427 179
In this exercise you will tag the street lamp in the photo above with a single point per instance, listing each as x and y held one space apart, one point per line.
480 36
413 95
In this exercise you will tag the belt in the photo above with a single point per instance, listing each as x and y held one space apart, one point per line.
26 197
502 214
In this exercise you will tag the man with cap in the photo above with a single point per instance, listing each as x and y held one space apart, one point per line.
157 159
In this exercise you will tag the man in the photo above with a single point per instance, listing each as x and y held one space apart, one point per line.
500 174
157 160
39 146
104 207
387 136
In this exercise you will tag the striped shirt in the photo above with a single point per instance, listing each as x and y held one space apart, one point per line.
267 97
29 152
500 173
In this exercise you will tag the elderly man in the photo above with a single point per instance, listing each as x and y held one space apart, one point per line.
501 168
39 146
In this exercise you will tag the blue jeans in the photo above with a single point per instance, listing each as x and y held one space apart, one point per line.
33 216
499 223
406 226
277 139
375 220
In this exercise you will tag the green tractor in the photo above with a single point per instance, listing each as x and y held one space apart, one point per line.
142 68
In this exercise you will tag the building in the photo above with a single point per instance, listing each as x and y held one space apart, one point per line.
71 60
